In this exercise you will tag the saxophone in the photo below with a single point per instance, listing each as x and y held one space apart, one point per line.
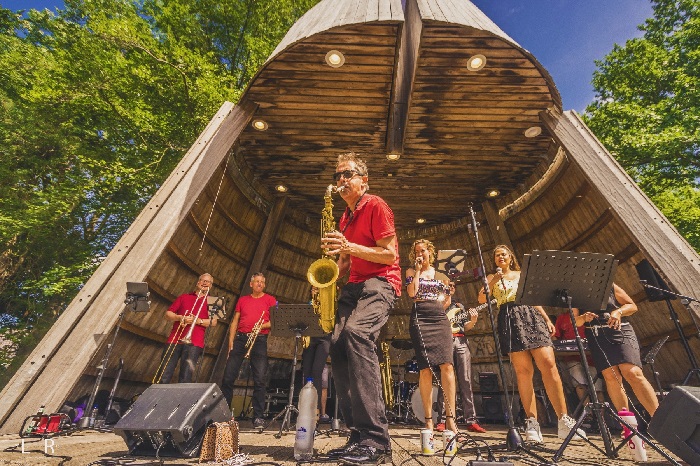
323 272
387 377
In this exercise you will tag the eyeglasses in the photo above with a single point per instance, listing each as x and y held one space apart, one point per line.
347 174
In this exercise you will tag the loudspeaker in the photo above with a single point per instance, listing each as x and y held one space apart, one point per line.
170 419
647 273
492 408
488 381
676 423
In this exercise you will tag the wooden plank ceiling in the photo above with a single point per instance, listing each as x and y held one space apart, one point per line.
460 132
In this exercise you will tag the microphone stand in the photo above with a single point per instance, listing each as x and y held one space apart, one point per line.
685 300
514 441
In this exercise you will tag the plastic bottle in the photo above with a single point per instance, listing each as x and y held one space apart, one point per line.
636 444
93 416
306 422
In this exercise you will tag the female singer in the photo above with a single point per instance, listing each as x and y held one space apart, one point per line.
525 334
430 330
615 351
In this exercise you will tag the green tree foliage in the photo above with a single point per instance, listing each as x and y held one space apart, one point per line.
98 103
647 110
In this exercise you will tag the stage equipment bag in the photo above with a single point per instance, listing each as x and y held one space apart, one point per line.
220 442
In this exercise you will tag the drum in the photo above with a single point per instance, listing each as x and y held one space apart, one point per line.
417 405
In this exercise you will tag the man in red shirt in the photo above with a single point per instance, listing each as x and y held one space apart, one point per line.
368 249
250 310
563 330
188 309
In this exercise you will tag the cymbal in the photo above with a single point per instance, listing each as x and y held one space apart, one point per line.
402 344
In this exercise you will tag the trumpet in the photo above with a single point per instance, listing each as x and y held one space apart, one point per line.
253 335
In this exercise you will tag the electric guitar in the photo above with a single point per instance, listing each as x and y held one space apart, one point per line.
458 316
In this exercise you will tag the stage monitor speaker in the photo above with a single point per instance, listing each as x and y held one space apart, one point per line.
170 419
647 273
676 423
488 382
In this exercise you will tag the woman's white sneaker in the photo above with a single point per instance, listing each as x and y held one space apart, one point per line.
532 431
566 423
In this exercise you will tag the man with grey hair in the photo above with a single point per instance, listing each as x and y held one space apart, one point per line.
252 311
188 310
368 249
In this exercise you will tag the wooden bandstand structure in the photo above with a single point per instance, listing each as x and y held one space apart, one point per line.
447 110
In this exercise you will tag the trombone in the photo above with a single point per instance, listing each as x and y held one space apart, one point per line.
179 338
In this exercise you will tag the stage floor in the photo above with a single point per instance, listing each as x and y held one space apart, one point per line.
105 448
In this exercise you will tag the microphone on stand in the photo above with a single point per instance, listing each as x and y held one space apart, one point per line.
500 270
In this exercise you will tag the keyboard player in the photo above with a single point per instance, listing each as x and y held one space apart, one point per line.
571 362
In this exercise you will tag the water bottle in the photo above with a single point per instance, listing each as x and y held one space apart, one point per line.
636 444
306 422
93 416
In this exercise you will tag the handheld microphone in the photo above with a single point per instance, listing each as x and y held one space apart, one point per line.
500 270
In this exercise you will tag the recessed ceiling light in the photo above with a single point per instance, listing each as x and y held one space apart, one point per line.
281 188
492 193
260 125
393 156
420 220
335 59
476 62
533 131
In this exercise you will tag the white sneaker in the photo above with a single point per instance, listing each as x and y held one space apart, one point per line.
566 423
532 431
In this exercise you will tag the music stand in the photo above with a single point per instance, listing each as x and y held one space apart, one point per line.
554 278
137 295
292 320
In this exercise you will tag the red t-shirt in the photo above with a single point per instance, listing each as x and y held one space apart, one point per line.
372 220
563 330
183 305
251 309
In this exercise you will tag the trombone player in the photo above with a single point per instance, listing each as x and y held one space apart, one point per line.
190 316
247 339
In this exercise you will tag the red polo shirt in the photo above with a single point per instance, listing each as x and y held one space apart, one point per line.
182 306
372 220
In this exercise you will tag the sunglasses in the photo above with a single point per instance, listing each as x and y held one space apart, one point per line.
347 174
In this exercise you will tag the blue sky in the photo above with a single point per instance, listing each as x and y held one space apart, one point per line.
566 36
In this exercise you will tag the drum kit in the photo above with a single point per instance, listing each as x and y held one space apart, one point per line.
408 407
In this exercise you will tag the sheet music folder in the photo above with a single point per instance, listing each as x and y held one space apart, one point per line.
285 318
585 276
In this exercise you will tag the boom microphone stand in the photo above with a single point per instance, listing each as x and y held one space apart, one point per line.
686 300
137 296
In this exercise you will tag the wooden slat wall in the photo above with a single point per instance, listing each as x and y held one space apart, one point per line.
329 14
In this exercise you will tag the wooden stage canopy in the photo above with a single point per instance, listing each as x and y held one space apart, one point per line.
447 110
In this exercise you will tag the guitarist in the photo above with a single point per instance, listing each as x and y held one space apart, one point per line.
462 360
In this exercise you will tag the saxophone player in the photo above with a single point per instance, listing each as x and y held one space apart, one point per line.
252 313
190 316
368 250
